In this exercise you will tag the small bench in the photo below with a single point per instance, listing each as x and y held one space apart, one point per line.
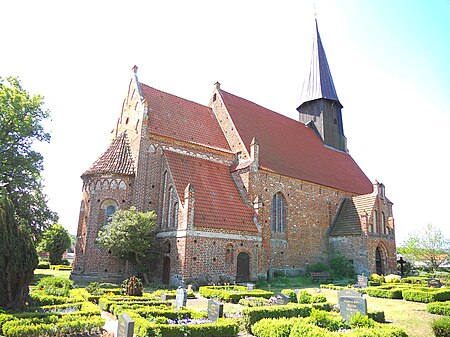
321 276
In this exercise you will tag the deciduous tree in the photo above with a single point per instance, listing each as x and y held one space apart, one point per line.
56 240
428 246
21 124
130 235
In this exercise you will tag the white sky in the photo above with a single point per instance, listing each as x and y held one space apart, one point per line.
389 61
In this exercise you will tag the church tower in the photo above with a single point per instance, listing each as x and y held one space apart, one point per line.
319 107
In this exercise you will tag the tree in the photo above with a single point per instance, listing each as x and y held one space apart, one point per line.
56 240
18 257
428 246
21 118
130 235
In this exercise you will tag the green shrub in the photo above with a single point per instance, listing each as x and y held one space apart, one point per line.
43 265
318 267
426 295
106 302
392 278
56 286
252 315
318 298
385 292
326 320
304 297
171 294
441 327
377 316
361 321
5 318
232 293
93 288
376 278
341 267
290 293
303 329
332 287
273 327
60 267
415 280
254 301
373 283
439 308
40 298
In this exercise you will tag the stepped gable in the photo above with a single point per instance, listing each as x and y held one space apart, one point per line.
116 159
178 118
218 203
348 221
290 148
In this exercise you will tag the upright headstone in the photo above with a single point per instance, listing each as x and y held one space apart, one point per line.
163 297
250 286
181 298
350 305
189 288
125 326
349 292
283 299
434 283
363 281
215 310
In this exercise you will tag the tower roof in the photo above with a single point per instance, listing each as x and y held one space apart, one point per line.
116 159
319 82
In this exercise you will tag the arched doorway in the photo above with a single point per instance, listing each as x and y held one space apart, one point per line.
379 262
243 267
166 270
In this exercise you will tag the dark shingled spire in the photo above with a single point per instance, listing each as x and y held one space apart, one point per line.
116 159
319 83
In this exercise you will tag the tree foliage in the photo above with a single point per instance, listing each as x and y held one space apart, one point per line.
18 257
428 246
21 118
129 235
56 240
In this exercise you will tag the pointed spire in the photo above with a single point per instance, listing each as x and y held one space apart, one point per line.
319 82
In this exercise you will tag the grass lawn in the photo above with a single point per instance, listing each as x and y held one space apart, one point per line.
40 273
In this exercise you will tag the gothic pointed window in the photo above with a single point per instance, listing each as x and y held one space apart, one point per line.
375 220
278 214
175 215
384 228
170 208
164 200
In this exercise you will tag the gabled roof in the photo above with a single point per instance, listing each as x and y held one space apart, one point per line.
290 148
179 118
116 159
218 203
348 219
319 83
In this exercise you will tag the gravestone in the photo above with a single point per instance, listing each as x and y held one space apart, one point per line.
189 288
250 286
125 326
363 281
349 292
215 310
350 305
181 298
163 297
434 283
283 299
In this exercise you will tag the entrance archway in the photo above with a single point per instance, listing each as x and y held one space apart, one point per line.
166 270
243 267
379 262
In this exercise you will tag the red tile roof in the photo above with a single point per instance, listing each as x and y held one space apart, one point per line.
218 203
179 118
116 159
290 148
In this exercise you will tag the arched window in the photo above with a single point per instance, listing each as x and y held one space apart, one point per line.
175 215
278 214
384 228
375 216
170 208
164 200
108 208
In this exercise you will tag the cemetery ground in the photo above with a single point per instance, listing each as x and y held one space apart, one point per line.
412 317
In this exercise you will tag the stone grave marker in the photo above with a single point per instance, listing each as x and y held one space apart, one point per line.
181 298
363 281
189 288
283 299
250 286
350 305
163 297
125 326
215 310
349 292
434 283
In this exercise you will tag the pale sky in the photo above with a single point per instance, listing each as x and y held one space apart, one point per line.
389 61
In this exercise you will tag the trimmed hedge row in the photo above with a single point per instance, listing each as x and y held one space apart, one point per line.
53 325
441 327
232 293
439 308
170 313
426 295
252 315
221 328
385 292
171 294
105 302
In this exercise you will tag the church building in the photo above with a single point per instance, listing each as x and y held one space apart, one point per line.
240 192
